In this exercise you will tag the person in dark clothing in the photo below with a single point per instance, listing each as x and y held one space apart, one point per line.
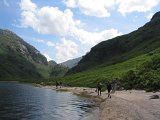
56 84
109 88
99 88
60 84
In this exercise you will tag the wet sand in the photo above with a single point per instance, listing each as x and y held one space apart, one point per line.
124 105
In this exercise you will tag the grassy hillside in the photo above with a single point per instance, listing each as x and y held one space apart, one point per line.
119 73
15 57
14 66
146 76
122 48
19 60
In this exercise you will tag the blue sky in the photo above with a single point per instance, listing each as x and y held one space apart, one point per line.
66 29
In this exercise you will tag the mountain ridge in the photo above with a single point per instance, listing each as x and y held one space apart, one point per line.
121 48
20 60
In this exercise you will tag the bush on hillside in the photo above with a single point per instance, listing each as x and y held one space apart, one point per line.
147 76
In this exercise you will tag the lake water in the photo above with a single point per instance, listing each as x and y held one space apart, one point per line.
26 102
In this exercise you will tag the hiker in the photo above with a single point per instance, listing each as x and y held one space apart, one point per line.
60 84
99 88
56 85
109 88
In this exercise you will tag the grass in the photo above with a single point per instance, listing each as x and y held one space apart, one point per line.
102 73
115 72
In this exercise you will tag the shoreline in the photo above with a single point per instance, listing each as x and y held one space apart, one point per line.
83 92
124 105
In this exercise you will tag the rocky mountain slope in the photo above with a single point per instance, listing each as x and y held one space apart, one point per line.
19 60
122 48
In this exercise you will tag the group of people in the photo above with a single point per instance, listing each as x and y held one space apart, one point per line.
99 89
99 86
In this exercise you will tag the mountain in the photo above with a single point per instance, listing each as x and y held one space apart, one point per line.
122 48
19 60
17 57
57 70
132 61
71 63
141 72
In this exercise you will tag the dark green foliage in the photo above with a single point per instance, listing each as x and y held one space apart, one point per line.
149 74
146 76
129 80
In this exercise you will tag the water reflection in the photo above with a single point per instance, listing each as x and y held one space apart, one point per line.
23 102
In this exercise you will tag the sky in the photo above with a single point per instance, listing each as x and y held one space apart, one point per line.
67 29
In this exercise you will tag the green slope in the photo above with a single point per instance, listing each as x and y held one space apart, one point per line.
122 48
19 60
132 60
104 73
16 57
120 73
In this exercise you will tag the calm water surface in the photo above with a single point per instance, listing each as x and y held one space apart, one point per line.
26 102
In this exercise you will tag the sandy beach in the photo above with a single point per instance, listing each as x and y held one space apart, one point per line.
124 105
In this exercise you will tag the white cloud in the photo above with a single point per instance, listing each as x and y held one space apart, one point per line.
48 57
27 5
50 43
100 8
92 38
50 20
149 16
71 3
129 6
6 3
46 20
66 50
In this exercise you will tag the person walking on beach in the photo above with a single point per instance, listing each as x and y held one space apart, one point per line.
56 85
109 88
99 88
60 84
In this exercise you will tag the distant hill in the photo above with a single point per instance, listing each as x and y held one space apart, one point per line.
122 48
19 60
71 63
57 70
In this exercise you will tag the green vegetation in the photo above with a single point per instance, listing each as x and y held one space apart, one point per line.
19 60
142 72
146 76
122 48
13 64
